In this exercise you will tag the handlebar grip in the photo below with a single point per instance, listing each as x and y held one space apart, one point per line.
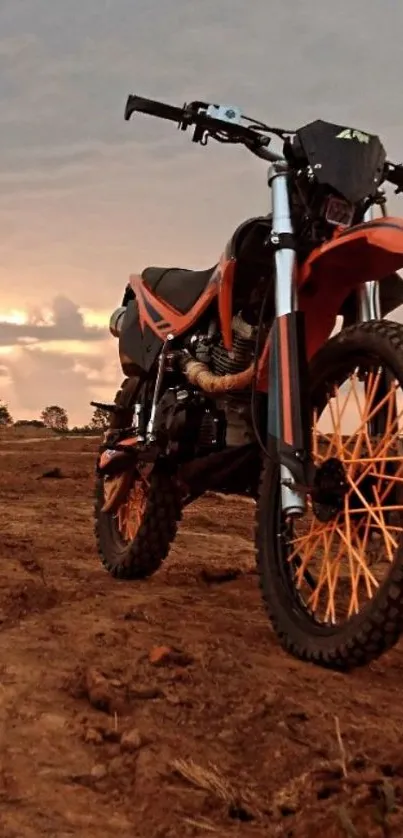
153 108
395 175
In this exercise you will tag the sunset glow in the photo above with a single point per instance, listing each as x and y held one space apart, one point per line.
16 316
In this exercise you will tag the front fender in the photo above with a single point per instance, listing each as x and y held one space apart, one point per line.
330 276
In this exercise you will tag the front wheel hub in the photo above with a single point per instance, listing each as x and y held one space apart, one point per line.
329 489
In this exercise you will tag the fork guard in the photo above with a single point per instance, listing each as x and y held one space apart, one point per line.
289 404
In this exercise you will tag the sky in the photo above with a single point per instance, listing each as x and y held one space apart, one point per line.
87 198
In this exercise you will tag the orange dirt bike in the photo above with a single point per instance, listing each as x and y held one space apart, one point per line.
234 383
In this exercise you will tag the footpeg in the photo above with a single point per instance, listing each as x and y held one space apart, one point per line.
107 408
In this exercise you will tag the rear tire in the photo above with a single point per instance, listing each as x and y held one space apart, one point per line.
142 555
367 634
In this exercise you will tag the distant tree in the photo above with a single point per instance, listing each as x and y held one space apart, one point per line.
29 423
100 420
5 415
55 417
81 429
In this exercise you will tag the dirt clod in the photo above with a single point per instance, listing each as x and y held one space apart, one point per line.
99 690
93 737
165 656
99 771
131 740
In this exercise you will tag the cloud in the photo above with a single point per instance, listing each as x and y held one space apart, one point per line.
66 324
35 377
88 198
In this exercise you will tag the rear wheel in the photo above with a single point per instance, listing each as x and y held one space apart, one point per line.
333 581
134 536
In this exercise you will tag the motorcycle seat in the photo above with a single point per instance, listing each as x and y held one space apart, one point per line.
179 287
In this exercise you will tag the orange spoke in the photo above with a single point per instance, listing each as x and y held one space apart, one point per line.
363 430
346 555
363 545
341 414
373 413
370 510
325 568
384 529
362 417
389 416
359 559
353 573
305 559
331 607
336 435
384 444
394 477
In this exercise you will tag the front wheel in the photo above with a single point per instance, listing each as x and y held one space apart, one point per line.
332 581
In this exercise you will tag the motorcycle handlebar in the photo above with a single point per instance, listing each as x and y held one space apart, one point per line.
153 108
195 114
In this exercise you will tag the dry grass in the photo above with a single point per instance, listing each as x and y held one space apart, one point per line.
201 823
240 804
207 779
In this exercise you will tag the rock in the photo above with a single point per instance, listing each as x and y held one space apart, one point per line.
160 655
93 737
131 740
219 575
98 690
99 771
54 473
166 656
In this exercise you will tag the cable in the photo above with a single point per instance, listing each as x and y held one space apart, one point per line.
255 368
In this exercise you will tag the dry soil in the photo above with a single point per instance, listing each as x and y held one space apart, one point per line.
166 708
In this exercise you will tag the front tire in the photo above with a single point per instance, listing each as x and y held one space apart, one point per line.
358 520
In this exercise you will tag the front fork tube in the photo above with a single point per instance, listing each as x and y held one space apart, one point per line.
369 307
289 413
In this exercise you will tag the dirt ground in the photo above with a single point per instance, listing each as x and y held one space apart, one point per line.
166 708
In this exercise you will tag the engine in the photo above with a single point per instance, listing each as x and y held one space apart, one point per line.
240 357
234 406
